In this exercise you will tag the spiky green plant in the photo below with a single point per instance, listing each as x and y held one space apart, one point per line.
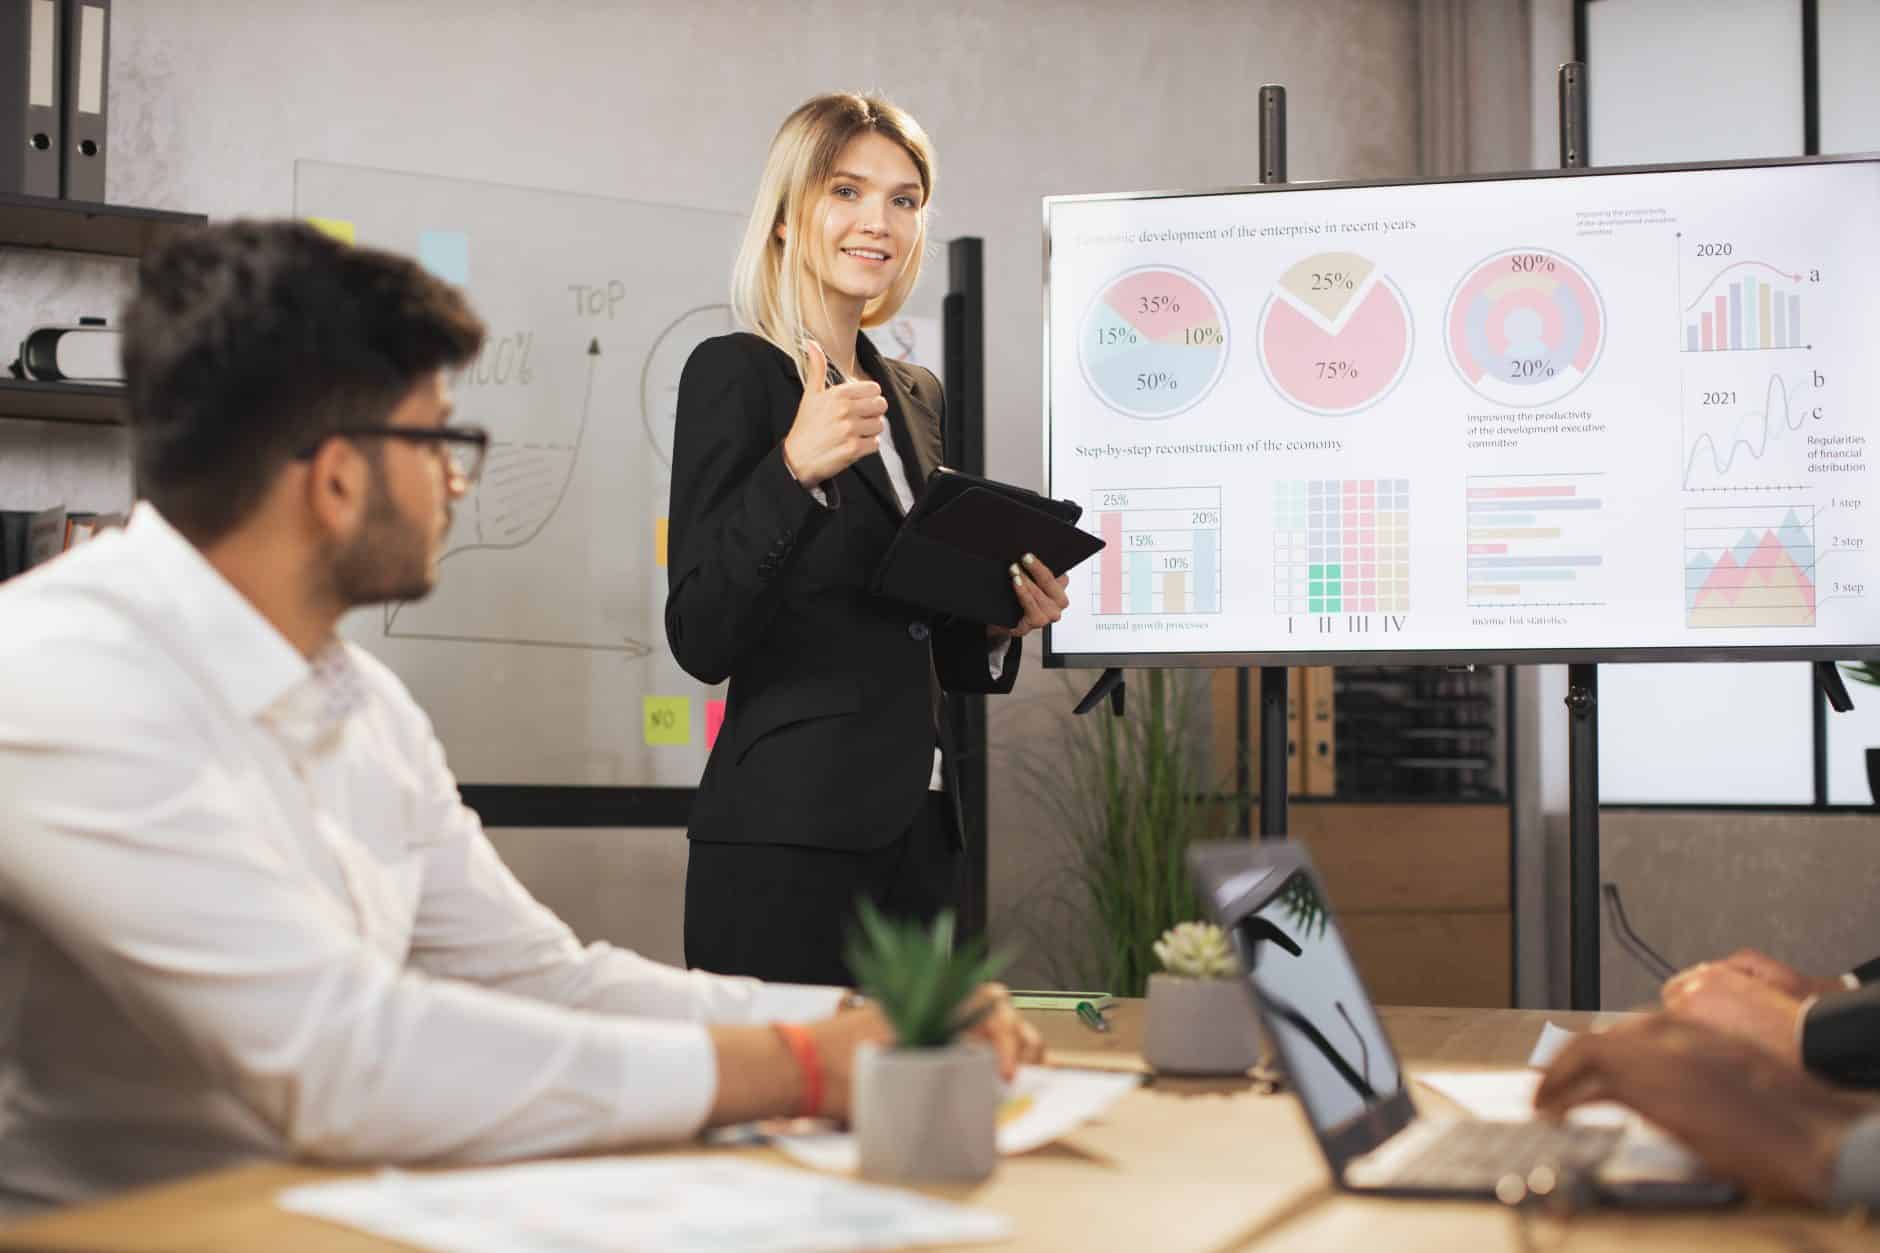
920 978
1128 796
1862 671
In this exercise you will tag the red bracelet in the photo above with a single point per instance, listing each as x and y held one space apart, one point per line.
802 1047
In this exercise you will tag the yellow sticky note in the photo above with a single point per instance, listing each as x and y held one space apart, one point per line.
338 228
668 719
659 542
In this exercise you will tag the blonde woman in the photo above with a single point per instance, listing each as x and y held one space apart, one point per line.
798 449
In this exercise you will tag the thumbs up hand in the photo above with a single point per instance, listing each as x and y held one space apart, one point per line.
835 426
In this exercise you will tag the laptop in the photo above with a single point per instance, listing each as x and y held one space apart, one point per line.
1339 1059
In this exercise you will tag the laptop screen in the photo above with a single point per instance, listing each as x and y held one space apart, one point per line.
1336 1052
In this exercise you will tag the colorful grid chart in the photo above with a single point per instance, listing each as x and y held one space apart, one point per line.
1749 566
1161 551
1535 539
1341 546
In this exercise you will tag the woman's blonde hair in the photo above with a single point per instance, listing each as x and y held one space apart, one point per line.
767 288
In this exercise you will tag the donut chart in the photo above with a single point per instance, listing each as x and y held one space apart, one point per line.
1335 335
1153 342
1525 327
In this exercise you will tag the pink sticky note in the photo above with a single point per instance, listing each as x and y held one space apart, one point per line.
714 721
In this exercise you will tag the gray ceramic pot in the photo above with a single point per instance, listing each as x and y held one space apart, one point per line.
927 1114
1200 1026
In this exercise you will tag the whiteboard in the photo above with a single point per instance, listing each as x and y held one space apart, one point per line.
1617 415
541 656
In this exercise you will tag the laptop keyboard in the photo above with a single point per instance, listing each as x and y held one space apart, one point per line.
1473 1155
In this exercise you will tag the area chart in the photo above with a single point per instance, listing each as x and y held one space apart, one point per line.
1749 566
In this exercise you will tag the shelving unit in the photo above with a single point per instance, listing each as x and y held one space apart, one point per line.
103 230
80 227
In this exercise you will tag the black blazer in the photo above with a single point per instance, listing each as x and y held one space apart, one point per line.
1841 1035
829 726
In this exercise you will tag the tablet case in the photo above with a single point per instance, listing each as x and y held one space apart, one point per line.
954 551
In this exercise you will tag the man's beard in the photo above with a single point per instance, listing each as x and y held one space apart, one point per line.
389 560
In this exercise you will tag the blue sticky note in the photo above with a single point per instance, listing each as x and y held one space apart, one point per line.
446 254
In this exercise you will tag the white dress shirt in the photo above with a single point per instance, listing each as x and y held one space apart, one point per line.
244 912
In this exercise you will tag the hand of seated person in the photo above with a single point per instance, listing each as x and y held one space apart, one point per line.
1016 1041
997 1023
1772 1127
1780 975
1720 995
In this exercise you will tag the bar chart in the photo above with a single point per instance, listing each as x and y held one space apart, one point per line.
1759 310
1341 546
1535 540
1162 551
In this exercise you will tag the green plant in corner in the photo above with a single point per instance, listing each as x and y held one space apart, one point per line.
1128 795
922 980
1862 671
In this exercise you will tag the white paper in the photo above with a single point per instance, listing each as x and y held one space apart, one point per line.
688 1204
1508 1096
1552 1040
1041 1104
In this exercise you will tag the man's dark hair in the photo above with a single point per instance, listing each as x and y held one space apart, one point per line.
248 342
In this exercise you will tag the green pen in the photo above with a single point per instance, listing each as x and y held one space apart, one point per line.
1091 1016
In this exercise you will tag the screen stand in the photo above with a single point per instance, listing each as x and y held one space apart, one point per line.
1833 686
1273 751
1109 683
1583 829
1582 681
1273 718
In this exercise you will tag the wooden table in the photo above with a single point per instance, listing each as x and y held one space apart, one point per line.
1178 1165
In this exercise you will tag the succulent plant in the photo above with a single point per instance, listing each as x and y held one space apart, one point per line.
1195 950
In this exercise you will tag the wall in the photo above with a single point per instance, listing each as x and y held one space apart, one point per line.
212 103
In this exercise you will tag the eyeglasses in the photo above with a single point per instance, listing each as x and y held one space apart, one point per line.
464 447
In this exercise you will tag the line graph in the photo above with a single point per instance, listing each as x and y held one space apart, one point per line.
1750 448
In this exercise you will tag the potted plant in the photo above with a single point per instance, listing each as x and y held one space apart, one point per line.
1867 672
1127 796
927 1108
1201 1019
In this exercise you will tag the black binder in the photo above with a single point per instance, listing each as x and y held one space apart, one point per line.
32 63
87 68
954 551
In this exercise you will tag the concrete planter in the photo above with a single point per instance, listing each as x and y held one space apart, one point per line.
1200 1026
927 1115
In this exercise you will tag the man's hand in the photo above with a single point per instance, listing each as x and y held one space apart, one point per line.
837 1038
1773 1128
1042 594
1780 975
1016 1041
1722 996
835 426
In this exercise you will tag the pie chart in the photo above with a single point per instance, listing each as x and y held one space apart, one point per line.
1525 327
1335 334
1153 343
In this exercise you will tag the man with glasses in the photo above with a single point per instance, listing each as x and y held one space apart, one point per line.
243 910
